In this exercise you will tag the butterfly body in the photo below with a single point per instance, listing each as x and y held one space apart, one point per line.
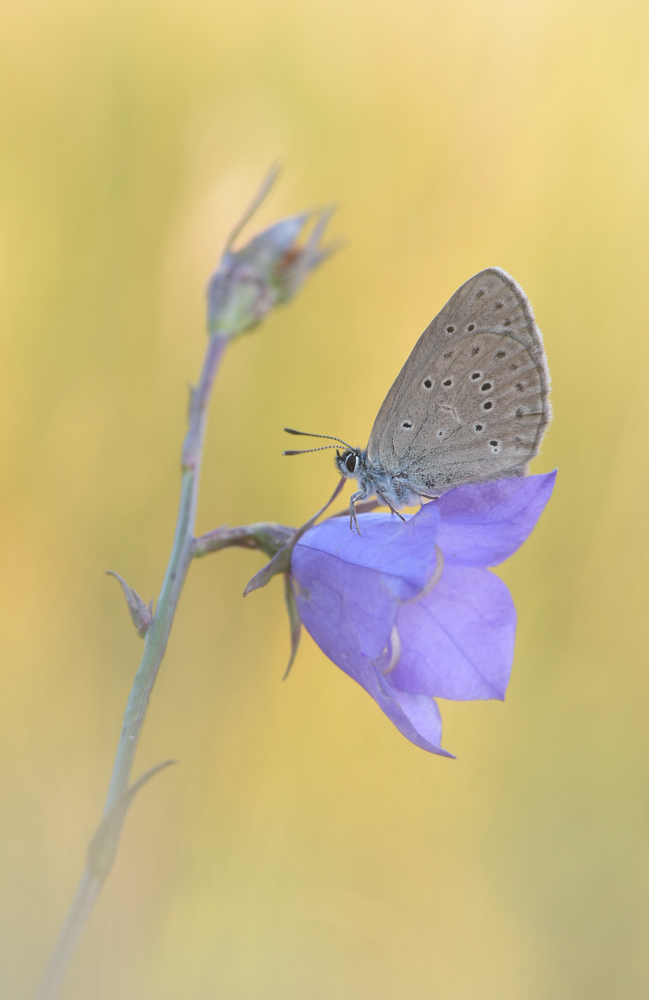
395 490
469 405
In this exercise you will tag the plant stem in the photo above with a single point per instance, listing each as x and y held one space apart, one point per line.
80 910
179 560
267 536
248 283
155 645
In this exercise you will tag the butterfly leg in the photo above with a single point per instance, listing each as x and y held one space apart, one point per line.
353 519
388 504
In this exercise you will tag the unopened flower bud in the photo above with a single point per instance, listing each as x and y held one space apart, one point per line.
265 272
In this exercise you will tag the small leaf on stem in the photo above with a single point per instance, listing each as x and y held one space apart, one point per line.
103 846
141 613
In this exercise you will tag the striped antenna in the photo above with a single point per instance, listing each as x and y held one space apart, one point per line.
329 437
305 451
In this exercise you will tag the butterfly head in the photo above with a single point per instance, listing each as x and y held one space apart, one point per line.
350 462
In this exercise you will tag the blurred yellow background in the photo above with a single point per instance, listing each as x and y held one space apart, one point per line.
303 848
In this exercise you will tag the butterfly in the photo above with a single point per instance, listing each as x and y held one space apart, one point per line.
470 404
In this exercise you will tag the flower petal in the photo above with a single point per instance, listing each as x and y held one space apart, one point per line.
484 523
415 715
458 641
402 550
349 612
424 722
344 607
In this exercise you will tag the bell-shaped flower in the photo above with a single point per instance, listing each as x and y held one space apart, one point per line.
409 609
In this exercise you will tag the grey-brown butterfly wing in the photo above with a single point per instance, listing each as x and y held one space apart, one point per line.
471 402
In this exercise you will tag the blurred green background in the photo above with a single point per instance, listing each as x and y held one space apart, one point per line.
303 848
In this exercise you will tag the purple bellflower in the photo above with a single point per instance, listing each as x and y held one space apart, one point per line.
409 609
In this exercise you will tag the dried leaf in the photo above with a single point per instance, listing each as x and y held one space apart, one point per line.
141 613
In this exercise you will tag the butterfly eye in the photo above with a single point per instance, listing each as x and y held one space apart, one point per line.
350 462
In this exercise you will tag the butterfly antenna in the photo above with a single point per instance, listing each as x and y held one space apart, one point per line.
305 451
328 437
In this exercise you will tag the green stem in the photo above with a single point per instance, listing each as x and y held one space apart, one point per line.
80 910
155 643
154 649
267 536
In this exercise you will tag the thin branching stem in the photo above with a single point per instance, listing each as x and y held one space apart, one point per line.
267 536
247 284
179 560
155 645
